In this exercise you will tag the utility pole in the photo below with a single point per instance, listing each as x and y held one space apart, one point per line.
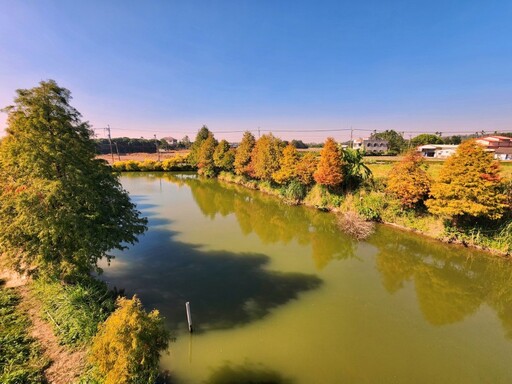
156 146
259 134
351 137
110 143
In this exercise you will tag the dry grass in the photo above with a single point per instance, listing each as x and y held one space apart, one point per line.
354 225
142 156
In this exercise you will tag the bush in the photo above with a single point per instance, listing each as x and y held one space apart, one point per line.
294 192
128 345
371 205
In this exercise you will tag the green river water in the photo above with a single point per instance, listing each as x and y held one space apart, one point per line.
280 295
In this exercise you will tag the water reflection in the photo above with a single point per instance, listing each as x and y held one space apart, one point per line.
270 219
451 283
225 289
246 374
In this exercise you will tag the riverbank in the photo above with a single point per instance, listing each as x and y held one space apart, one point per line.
370 201
375 205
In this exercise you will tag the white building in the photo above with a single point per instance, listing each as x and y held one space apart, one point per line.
371 145
438 151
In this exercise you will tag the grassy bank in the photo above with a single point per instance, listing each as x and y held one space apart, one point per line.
373 204
21 359
370 201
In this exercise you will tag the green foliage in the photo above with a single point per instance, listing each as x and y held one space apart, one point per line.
205 163
469 186
243 154
75 310
265 157
409 181
128 344
396 142
320 197
287 165
371 205
294 192
329 170
426 138
20 356
224 157
61 210
354 169
201 136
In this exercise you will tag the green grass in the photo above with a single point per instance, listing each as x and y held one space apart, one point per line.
75 310
21 360
381 169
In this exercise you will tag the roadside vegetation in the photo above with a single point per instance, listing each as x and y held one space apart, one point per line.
466 199
61 211
21 358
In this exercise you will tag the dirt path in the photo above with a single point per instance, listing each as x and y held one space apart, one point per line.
66 366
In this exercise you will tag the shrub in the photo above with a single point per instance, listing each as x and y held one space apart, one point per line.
294 192
354 225
131 165
371 205
128 345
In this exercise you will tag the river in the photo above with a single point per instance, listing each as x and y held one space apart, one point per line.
280 295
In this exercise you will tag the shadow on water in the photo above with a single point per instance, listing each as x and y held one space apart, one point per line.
246 374
225 289
450 282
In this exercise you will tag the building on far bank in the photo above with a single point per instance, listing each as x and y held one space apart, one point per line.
437 151
170 140
500 146
371 145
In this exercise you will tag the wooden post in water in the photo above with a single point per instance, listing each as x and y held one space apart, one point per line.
189 317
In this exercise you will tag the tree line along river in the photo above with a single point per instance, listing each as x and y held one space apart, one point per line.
280 295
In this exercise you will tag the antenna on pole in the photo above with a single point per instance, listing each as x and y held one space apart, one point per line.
110 143
259 134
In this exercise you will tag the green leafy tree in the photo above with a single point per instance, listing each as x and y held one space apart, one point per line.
426 138
409 181
287 165
201 136
329 170
355 170
396 142
205 162
61 209
243 154
265 157
469 185
224 156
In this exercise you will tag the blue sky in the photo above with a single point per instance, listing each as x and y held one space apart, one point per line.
167 67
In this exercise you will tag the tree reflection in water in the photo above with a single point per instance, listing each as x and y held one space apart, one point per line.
450 282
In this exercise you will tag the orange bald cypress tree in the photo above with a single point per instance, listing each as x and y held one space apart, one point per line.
409 180
329 172
469 184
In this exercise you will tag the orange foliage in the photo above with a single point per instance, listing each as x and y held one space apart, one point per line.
329 171
469 184
409 181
